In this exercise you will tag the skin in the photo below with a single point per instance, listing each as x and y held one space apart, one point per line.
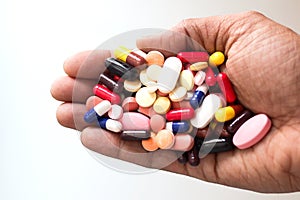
262 63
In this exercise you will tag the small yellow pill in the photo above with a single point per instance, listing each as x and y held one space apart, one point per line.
198 66
122 53
216 58
224 114
162 105
186 79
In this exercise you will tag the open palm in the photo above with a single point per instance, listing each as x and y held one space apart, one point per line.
263 65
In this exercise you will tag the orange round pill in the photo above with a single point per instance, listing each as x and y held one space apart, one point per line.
165 139
155 58
150 144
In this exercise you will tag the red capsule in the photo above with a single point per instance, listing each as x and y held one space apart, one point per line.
180 114
226 87
106 94
210 78
193 57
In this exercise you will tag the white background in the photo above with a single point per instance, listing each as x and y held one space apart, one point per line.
40 159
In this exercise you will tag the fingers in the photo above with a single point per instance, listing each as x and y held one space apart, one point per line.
68 89
87 64
216 33
111 145
70 115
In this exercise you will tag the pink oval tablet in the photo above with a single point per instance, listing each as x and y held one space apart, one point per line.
135 121
115 112
252 131
157 123
183 142
130 104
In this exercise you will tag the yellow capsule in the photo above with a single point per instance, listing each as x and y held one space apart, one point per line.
216 58
162 105
225 114
122 53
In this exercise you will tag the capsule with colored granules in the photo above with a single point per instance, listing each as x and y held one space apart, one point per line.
239 121
109 124
129 56
198 96
104 93
121 69
227 113
178 126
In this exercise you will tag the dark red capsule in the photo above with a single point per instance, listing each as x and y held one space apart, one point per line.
135 60
239 121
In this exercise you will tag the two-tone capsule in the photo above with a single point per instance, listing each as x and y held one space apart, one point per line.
227 113
198 96
178 126
104 93
193 57
121 69
110 124
129 56
110 83
239 121
99 110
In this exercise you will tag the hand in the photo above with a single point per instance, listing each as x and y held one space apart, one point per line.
263 64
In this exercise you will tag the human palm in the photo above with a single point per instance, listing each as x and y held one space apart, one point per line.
262 63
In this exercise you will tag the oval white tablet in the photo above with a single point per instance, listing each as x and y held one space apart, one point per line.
205 113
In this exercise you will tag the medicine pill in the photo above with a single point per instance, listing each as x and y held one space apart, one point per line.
106 94
226 87
116 112
135 121
227 113
252 131
165 139
130 104
198 66
121 69
110 83
198 96
155 58
153 72
217 58
150 144
178 94
169 74
183 142
193 57
144 98
162 105
180 114
187 79
199 78
110 124
178 126
135 135
216 146
132 86
239 120
157 122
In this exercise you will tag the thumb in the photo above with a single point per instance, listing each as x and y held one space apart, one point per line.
216 33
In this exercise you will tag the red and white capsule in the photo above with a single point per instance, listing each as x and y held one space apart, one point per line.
104 93
180 114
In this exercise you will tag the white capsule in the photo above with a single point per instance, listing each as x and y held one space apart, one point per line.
169 75
205 113
102 107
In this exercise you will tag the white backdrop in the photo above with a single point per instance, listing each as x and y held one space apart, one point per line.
40 159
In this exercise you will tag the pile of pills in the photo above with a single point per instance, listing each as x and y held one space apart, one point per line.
180 103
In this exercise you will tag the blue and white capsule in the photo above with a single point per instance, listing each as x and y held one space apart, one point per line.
198 96
178 126
99 110
110 124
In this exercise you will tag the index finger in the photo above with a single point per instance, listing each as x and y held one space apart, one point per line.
86 64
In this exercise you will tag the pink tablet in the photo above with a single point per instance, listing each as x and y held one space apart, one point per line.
252 131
